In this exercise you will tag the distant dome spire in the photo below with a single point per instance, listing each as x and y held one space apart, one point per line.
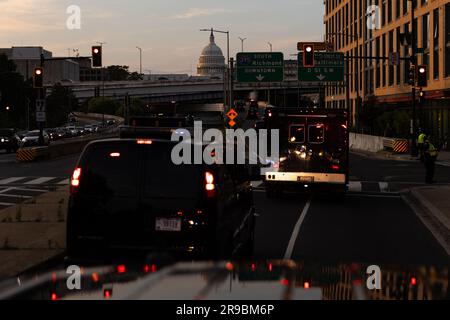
211 37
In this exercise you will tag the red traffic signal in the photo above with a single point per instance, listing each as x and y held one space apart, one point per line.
97 56
38 78
308 56
422 74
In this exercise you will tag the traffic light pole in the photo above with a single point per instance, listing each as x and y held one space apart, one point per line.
414 152
41 95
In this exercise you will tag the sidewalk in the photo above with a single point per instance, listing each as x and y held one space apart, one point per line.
443 158
432 205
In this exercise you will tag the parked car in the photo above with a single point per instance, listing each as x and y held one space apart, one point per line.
9 140
31 139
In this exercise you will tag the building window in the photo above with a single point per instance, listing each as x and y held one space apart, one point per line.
383 52
436 44
397 46
389 5
397 9
391 49
426 39
405 7
447 40
377 52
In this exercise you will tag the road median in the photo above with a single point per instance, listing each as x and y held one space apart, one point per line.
32 232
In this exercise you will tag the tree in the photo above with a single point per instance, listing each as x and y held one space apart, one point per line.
118 73
59 105
15 94
103 105
137 108
135 76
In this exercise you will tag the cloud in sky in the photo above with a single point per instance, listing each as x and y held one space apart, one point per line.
167 30
199 12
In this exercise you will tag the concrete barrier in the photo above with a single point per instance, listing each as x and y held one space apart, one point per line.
366 142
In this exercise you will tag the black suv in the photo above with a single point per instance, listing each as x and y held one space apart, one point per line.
127 194
9 140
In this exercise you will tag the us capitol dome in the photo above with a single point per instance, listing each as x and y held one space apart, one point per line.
212 61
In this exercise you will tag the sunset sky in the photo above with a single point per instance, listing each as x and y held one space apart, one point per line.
166 30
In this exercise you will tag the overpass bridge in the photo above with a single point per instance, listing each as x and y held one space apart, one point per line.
187 91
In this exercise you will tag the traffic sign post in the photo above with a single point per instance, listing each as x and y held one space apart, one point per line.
259 67
329 67
40 111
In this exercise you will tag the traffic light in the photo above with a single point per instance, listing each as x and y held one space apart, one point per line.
422 76
412 75
308 56
38 78
97 56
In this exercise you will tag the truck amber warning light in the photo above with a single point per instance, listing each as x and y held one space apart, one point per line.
232 114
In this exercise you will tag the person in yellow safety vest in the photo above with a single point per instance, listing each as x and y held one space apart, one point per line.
420 144
430 156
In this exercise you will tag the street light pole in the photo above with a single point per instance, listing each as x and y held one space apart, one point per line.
270 45
242 43
413 90
140 60
103 83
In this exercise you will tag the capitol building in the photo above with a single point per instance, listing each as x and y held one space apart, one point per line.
212 61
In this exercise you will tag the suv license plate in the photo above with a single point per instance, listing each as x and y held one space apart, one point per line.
163 224
305 179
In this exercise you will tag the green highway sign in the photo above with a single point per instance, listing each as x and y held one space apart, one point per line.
329 67
258 67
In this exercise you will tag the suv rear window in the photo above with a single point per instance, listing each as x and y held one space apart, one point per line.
316 133
297 134
163 179
110 170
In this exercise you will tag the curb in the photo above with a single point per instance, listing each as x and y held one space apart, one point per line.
382 156
431 208
430 216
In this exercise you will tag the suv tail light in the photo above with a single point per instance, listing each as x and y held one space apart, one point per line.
75 180
210 187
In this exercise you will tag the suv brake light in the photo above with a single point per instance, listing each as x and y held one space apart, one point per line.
210 187
75 180
142 141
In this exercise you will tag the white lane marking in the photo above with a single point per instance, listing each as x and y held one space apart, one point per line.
64 182
40 180
11 180
295 233
355 186
383 186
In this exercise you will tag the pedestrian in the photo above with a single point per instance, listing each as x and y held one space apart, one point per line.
420 144
430 156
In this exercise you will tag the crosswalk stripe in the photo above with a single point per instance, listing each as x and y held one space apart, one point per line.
11 180
14 196
40 180
6 204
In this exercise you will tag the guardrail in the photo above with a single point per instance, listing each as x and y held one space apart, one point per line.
59 149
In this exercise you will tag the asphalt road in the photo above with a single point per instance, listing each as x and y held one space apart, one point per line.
367 226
